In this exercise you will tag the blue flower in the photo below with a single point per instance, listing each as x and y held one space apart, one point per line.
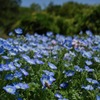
17 74
1 69
5 57
52 66
98 87
48 73
78 69
18 31
49 34
69 73
37 55
97 97
47 80
1 50
5 67
25 56
59 96
88 87
38 61
81 32
97 59
17 65
9 77
63 99
64 85
11 66
10 33
24 71
89 33
12 52
10 89
88 69
87 54
88 62
90 80
19 98
23 86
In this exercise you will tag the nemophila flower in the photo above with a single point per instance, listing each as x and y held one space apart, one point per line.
23 48
88 69
5 57
25 56
70 73
5 67
87 54
31 61
10 33
95 48
24 71
52 66
11 66
78 69
97 59
63 99
88 62
54 52
45 52
12 53
49 34
47 80
59 96
48 73
98 87
66 65
64 85
17 74
81 32
7 46
9 77
16 60
88 87
19 98
89 33
10 89
1 50
17 64
97 97
67 56
37 55
23 86
1 69
37 61
90 80
18 31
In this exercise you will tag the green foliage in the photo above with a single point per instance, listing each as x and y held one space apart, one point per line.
39 22
53 9
35 7
69 18
8 12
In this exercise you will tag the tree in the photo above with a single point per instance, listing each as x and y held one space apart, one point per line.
53 9
8 12
35 7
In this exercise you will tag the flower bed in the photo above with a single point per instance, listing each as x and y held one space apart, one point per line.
50 67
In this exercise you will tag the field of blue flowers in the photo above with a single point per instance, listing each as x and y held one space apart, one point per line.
50 67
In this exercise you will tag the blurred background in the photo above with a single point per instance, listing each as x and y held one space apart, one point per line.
66 17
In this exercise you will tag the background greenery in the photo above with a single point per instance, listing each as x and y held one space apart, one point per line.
69 18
